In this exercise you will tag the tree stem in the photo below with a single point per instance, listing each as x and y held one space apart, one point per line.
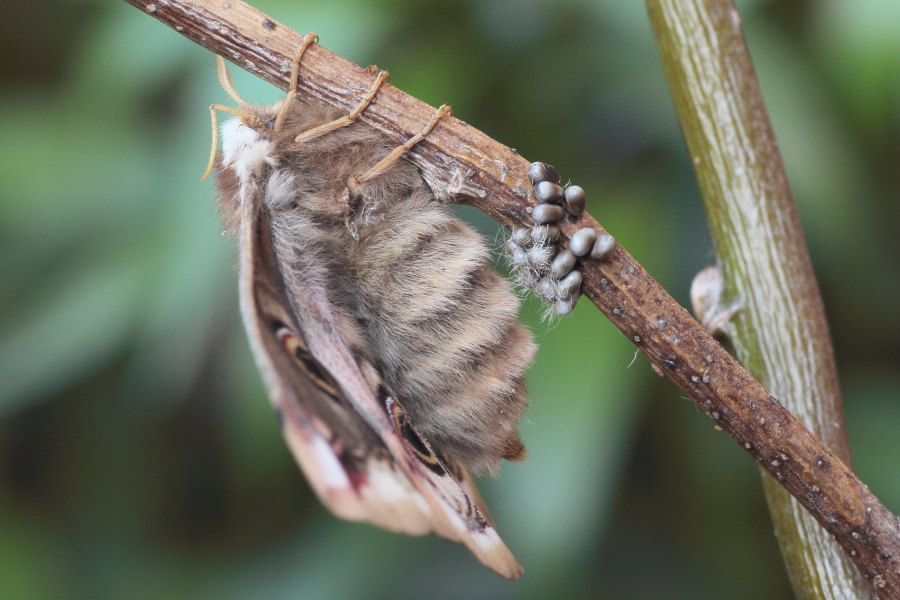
779 333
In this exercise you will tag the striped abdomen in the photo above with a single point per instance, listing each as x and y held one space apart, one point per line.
444 328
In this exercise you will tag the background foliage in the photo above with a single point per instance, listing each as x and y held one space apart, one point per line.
138 454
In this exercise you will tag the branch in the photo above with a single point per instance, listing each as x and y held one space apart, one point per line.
780 333
461 163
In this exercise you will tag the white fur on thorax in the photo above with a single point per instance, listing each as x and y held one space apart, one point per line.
281 190
245 151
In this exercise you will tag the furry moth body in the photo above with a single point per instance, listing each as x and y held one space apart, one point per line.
389 347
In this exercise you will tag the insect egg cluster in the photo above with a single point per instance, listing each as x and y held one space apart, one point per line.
541 262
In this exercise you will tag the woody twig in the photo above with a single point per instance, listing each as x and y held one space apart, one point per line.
462 164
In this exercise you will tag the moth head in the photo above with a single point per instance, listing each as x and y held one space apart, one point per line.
261 119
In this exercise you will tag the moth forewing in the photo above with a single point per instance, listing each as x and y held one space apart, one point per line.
262 305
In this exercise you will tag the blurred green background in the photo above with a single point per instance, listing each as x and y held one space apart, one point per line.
139 457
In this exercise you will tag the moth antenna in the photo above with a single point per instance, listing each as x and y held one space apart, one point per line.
382 165
226 82
227 85
308 39
215 134
346 119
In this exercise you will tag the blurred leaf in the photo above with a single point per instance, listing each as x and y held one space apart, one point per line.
860 48
74 331
872 417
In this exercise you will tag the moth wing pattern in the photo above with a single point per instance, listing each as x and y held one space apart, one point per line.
363 458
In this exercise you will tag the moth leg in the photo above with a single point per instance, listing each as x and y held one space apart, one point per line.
226 82
308 40
382 165
348 118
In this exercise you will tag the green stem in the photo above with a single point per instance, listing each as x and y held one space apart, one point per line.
779 333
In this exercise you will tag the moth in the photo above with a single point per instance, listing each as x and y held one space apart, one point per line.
390 348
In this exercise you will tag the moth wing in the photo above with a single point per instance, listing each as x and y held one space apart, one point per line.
362 457
346 463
